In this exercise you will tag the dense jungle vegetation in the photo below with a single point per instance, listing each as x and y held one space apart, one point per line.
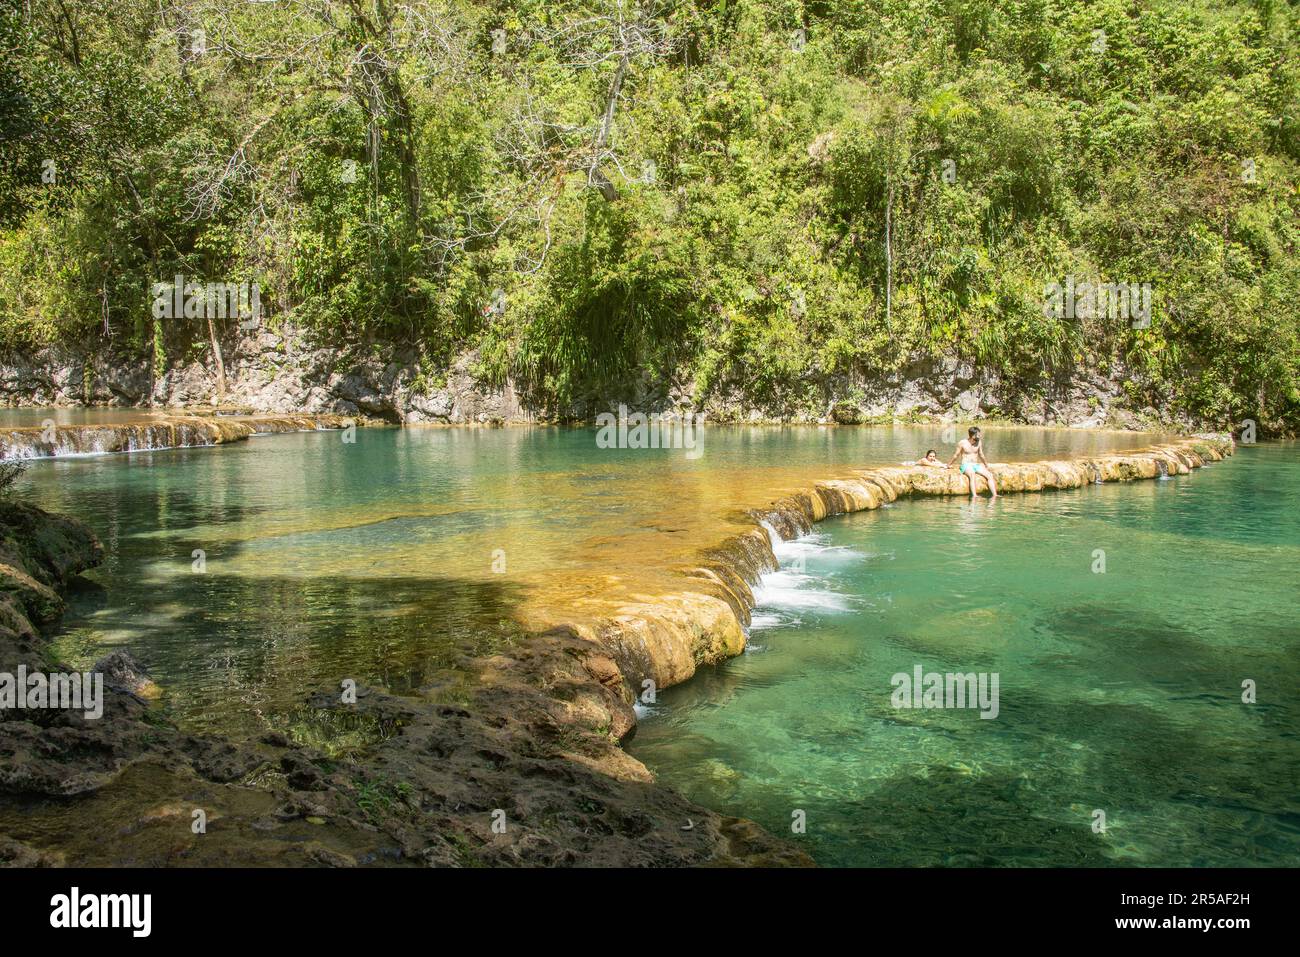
756 196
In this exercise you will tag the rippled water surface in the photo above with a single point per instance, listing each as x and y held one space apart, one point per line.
385 559
1120 691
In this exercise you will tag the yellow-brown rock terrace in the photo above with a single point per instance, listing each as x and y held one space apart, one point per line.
153 432
665 639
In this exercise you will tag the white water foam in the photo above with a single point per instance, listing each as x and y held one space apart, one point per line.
793 587
644 711
785 590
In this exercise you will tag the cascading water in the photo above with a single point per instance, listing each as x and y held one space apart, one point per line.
781 595
50 440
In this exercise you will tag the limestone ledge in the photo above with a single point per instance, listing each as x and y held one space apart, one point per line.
159 432
667 639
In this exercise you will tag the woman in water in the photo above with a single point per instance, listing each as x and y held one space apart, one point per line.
973 462
931 460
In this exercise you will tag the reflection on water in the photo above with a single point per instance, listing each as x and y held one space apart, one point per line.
1120 691
249 574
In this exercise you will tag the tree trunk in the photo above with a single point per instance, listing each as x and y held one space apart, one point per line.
597 176
889 254
216 355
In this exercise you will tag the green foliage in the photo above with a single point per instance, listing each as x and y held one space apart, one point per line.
673 191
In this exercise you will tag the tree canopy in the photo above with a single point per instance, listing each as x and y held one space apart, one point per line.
763 197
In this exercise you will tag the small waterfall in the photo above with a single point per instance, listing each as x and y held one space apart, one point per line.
748 554
152 434
800 585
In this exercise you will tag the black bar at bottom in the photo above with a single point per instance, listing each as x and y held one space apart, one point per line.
254 907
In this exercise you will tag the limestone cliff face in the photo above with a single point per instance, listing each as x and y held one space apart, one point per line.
287 370
266 372
664 641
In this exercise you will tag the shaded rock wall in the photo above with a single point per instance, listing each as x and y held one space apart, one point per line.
289 370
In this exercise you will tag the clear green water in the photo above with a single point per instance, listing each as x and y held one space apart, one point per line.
388 560
1119 691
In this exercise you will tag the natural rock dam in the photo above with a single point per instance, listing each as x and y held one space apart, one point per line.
665 641
154 433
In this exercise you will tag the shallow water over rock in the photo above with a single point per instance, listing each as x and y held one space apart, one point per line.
249 575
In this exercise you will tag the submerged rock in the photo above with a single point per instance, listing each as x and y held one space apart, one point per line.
528 772
123 672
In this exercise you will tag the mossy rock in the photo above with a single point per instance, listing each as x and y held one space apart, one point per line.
846 413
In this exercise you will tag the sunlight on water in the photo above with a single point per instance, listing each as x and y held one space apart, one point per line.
1120 691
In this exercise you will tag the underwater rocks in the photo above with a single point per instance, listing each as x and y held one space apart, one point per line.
158 432
520 767
54 750
58 751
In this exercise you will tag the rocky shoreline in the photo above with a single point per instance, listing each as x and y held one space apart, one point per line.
526 770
